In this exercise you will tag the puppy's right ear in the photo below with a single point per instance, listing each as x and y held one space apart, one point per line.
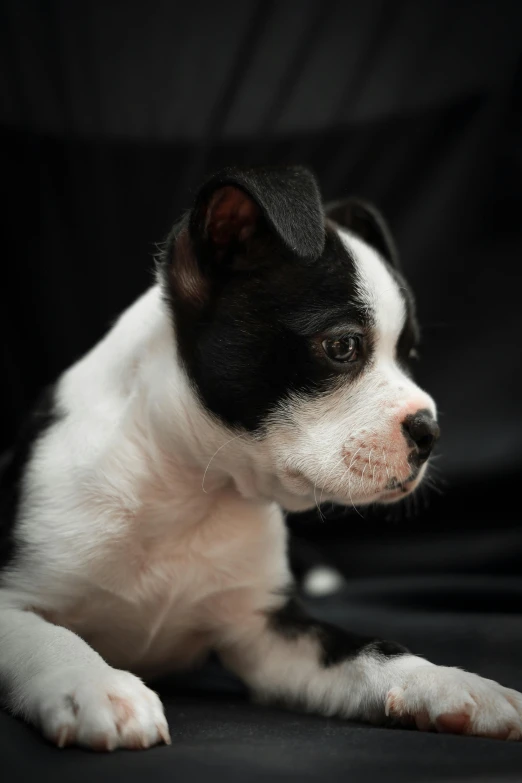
366 222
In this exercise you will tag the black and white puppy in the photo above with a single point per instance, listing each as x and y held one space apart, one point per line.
142 510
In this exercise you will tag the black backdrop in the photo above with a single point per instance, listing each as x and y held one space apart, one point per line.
112 113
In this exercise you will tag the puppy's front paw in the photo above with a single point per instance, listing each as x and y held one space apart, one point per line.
103 711
457 702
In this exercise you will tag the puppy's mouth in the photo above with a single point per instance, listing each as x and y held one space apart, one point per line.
396 490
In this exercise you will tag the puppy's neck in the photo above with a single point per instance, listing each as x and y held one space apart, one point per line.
178 428
135 377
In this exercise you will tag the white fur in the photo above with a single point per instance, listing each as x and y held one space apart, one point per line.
149 534
454 700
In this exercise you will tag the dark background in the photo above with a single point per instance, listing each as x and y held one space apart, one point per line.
111 115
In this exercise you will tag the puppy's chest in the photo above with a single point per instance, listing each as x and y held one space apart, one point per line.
160 591
188 555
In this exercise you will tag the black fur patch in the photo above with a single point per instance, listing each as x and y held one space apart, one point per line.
337 645
251 291
13 467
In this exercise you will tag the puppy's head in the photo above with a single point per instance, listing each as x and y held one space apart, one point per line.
296 329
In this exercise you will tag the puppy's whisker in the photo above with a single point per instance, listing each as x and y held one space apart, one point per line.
342 477
318 504
414 503
430 484
212 457
354 456
370 465
386 465
407 466
350 494
328 477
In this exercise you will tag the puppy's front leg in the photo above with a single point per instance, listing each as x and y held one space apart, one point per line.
53 679
286 656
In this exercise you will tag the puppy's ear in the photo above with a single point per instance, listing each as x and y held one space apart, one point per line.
241 215
366 222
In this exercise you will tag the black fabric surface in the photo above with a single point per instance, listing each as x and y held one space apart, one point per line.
110 115
229 740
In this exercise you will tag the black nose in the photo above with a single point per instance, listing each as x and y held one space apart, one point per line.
422 431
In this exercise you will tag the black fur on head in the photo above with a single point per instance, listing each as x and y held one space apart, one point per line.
255 277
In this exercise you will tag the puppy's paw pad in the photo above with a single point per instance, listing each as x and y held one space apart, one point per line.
453 723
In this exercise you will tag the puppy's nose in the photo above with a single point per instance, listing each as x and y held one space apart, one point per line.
422 431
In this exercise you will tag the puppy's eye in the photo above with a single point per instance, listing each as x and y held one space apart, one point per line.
342 349
414 354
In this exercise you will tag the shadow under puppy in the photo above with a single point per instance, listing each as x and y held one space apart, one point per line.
142 516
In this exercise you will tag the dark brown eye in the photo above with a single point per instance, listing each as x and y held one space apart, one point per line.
342 349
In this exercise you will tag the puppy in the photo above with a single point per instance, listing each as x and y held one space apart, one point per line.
142 521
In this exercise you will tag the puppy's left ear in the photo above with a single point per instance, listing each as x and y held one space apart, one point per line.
365 221
238 210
